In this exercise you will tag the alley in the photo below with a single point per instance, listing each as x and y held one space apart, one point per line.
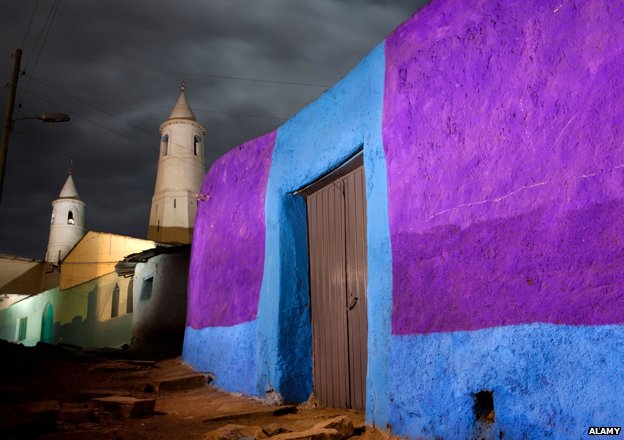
51 392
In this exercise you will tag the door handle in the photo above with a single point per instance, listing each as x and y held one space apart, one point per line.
353 302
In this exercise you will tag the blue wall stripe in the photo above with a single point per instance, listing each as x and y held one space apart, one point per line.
316 140
548 381
228 352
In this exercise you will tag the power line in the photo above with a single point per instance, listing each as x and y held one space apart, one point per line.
230 77
49 21
32 15
150 147
75 96
41 33
151 133
86 119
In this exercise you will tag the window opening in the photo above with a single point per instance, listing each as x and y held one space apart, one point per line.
53 216
165 142
21 333
174 203
146 289
115 302
196 144
130 298
484 406
70 218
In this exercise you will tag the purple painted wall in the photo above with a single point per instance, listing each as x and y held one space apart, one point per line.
503 132
227 263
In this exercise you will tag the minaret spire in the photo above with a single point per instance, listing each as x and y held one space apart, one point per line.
181 169
67 225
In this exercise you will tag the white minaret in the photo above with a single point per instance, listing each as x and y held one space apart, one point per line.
67 225
180 173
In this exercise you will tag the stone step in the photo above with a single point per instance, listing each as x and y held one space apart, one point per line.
310 434
95 393
183 382
123 365
235 432
129 407
342 424
266 411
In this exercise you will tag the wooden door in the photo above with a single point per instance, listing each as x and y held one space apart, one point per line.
337 247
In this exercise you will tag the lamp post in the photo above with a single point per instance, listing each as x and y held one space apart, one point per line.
7 125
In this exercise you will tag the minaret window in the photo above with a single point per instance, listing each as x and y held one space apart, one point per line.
53 216
70 218
196 145
165 143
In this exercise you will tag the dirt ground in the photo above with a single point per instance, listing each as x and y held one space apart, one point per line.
51 392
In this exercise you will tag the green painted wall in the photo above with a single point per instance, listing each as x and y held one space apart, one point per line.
81 315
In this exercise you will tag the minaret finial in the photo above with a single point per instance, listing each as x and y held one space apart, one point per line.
70 167
182 85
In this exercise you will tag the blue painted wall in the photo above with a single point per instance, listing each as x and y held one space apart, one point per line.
316 140
272 355
548 381
480 220
228 352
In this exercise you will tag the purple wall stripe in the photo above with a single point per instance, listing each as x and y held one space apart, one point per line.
503 133
227 258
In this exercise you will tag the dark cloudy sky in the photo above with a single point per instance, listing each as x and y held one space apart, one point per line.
115 66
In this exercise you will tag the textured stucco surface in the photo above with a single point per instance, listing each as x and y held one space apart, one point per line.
548 381
81 315
319 138
227 352
227 261
503 127
160 320
494 234
503 131
276 348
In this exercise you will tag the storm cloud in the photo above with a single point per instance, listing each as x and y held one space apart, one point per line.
115 68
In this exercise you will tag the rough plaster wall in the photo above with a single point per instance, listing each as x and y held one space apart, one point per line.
31 308
548 381
161 320
227 352
75 317
503 124
276 348
228 253
503 130
227 260
316 140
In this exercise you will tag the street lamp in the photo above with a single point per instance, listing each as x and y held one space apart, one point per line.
7 126
47 117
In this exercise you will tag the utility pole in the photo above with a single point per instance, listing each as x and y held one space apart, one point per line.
8 115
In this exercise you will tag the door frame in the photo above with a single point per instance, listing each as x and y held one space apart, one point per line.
352 164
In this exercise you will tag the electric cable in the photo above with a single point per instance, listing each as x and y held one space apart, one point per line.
229 77
150 147
50 20
32 15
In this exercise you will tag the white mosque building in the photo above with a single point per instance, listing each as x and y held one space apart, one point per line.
92 289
